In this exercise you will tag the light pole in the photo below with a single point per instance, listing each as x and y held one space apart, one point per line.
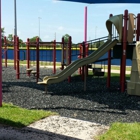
15 17
39 26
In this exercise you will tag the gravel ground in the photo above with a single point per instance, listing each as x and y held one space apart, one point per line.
97 104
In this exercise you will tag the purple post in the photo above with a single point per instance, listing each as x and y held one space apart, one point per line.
84 68
85 29
0 62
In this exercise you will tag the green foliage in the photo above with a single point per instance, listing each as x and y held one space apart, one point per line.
98 44
10 37
33 39
122 131
2 35
19 117
66 38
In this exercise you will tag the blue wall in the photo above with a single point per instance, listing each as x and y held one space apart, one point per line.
48 56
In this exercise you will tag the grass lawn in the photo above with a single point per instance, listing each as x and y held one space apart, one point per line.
122 131
18 117
128 68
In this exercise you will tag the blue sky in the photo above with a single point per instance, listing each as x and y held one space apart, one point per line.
59 18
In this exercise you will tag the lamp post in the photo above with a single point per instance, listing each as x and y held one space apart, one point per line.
39 26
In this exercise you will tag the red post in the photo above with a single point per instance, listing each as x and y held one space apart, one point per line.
0 62
37 59
121 72
124 51
14 52
109 69
86 55
69 59
121 62
109 65
17 57
28 55
138 28
85 38
5 51
80 56
54 57
62 63
83 52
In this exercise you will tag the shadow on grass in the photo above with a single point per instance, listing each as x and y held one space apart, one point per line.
11 123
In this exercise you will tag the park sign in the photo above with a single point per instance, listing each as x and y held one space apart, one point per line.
104 1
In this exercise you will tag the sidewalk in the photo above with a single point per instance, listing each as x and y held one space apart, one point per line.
54 128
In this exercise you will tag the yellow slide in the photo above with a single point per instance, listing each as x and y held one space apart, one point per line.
79 63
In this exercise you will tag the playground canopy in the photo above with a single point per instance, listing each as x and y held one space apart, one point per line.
104 1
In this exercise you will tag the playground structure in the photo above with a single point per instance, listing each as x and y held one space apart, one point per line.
123 30
127 27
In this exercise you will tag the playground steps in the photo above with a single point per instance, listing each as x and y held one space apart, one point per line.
133 86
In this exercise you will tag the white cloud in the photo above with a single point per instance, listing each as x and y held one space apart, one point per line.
60 28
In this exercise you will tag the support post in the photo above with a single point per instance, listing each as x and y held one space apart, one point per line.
37 59
83 69
124 51
69 56
109 65
17 57
54 57
5 51
14 52
62 59
86 55
0 62
28 55
80 56
85 26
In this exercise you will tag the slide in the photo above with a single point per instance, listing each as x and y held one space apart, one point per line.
79 63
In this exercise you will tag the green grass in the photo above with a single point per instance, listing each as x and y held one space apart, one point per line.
122 131
19 117
24 62
59 64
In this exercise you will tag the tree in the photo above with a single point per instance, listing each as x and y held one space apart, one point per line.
99 43
33 39
66 38
10 37
2 35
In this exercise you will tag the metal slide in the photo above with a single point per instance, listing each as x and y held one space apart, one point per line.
79 63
